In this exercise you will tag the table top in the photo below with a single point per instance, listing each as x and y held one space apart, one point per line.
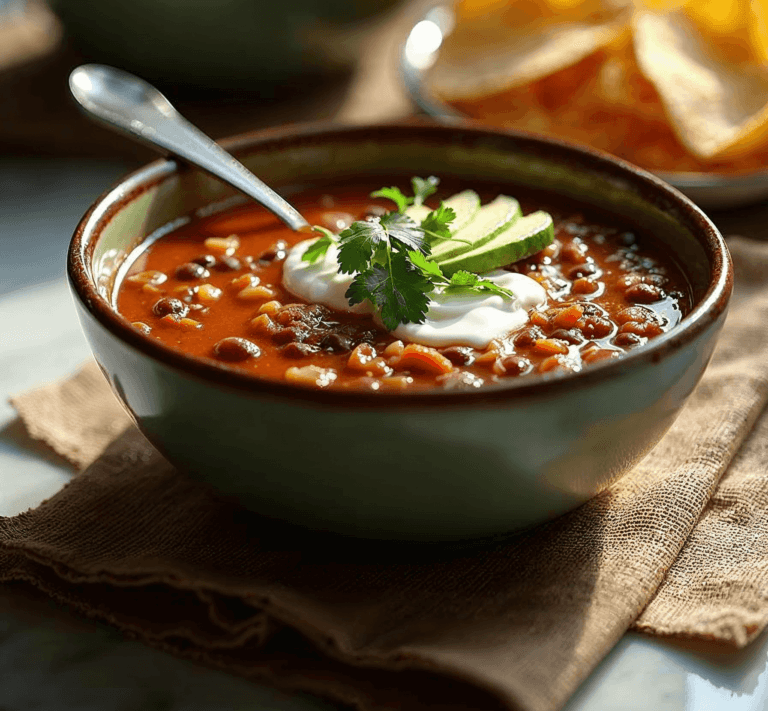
51 660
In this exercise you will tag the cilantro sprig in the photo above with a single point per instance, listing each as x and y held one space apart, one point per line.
378 252
460 281
422 189
389 257
318 248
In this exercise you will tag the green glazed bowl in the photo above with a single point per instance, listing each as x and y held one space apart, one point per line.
411 466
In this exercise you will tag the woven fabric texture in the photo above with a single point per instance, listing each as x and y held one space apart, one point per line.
677 547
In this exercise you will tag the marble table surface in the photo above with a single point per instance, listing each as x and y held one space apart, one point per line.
51 660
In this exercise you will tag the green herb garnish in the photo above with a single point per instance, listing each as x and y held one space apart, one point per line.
422 189
317 249
460 281
389 257
397 288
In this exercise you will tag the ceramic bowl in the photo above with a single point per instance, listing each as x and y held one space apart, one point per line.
241 46
412 466
419 53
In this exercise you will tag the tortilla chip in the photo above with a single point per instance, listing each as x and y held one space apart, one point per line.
719 16
487 57
758 31
515 13
716 108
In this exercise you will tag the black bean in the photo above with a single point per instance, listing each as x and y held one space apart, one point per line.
515 365
529 336
297 350
571 335
640 314
583 270
628 339
590 308
234 349
289 334
168 305
191 272
205 260
459 355
597 327
336 342
276 251
228 264
643 294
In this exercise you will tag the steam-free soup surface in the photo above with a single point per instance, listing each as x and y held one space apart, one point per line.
213 290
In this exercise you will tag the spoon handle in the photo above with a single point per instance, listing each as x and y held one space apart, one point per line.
135 107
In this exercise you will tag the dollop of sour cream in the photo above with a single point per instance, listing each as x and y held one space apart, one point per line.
453 319
319 283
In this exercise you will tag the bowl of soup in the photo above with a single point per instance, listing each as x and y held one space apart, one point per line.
246 361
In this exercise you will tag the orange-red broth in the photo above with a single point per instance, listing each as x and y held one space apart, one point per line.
609 291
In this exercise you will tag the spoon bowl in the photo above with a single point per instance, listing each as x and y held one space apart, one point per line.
132 106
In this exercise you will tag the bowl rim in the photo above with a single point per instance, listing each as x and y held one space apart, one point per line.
707 310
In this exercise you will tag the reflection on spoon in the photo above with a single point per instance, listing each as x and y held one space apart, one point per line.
131 105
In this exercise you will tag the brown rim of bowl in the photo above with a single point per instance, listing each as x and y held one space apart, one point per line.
705 312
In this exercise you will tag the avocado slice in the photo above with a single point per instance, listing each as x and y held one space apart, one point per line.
489 221
465 204
523 238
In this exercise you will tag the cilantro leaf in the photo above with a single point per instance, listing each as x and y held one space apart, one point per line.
358 243
472 283
493 288
396 195
460 281
430 268
397 289
423 188
464 278
403 229
435 224
317 249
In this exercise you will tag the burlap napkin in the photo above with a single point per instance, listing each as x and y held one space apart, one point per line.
678 547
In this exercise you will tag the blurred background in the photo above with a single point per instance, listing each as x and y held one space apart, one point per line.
230 65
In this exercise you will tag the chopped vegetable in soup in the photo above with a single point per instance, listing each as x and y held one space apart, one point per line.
449 289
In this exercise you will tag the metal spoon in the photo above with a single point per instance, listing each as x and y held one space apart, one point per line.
131 105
